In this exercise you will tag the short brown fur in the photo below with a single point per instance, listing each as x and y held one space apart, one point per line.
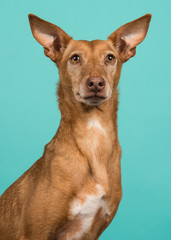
85 152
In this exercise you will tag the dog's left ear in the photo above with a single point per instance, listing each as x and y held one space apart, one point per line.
127 37
51 37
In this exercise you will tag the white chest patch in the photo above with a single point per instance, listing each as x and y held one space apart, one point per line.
88 209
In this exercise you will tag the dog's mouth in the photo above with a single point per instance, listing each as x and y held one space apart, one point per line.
94 99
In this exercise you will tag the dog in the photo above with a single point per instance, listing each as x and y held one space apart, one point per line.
73 191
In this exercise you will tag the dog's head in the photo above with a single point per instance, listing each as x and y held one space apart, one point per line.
89 70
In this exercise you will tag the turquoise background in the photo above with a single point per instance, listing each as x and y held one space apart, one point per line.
29 114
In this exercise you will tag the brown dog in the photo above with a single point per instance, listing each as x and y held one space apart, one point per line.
73 191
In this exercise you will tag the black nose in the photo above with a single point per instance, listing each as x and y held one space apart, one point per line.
95 84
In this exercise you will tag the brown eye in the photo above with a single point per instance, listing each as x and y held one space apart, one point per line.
75 58
110 58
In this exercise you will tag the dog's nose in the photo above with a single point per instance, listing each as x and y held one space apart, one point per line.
95 84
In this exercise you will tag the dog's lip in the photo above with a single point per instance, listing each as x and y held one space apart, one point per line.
94 99
95 96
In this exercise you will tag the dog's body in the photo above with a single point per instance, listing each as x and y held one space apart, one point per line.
74 190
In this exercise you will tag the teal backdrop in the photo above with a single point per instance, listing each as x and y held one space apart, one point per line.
29 114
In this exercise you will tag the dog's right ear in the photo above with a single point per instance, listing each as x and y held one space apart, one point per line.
51 37
127 37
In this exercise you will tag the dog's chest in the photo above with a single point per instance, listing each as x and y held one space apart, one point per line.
84 209
89 208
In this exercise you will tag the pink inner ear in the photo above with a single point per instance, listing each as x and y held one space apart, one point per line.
57 44
133 39
122 44
44 39
126 49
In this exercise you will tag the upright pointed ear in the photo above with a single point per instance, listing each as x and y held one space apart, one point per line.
127 37
52 38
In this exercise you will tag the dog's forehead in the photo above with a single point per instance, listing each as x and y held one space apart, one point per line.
89 47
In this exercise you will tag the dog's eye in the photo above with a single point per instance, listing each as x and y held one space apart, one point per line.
75 58
110 58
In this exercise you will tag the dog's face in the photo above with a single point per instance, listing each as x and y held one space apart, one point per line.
89 70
